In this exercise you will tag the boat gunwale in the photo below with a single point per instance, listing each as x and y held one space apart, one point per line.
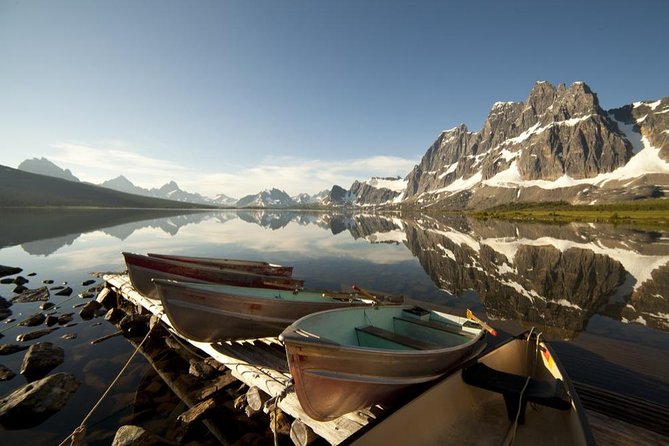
208 289
291 336
138 260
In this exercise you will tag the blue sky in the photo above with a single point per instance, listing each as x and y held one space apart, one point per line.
236 96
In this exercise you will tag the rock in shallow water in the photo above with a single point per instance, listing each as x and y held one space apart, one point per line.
5 373
39 294
33 403
64 292
40 359
9 270
8 349
5 312
90 309
34 320
47 306
35 334
20 280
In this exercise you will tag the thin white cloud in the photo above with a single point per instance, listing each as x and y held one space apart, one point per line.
96 163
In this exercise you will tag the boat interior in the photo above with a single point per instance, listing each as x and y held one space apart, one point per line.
513 395
394 328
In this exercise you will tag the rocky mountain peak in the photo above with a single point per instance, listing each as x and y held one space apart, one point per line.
43 166
557 132
541 96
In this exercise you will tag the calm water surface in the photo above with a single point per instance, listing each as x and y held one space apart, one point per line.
599 292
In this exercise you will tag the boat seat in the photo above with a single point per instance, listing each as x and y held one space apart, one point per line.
547 393
435 325
388 335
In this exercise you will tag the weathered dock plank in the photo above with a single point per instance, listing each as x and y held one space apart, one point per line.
253 366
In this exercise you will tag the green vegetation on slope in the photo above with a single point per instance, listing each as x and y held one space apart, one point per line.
642 212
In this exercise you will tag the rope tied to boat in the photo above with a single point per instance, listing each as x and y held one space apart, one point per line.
79 433
274 403
511 437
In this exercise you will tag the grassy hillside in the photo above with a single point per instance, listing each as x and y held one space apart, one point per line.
24 189
641 212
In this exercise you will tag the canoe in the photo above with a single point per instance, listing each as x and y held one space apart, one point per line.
480 403
142 269
212 313
243 265
347 359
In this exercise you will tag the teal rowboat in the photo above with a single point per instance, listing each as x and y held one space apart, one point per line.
347 359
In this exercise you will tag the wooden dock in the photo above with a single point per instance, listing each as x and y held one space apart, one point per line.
261 363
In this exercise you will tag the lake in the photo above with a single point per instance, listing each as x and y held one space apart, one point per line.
600 293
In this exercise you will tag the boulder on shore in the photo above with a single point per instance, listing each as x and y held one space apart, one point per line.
40 359
33 403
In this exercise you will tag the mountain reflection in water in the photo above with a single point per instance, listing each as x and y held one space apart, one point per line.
549 276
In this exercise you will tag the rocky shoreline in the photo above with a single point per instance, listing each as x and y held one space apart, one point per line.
188 400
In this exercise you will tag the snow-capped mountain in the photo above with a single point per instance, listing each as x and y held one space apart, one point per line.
375 191
224 200
306 199
558 145
268 198
43 166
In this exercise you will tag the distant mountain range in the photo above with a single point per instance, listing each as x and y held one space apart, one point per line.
558 145
19 189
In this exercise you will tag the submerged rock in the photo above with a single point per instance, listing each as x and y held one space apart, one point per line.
6 280
130 435
34 320
88 282
35 334
38 294
51 320
5 373
9 270
33 403
40 359
19 289
47 281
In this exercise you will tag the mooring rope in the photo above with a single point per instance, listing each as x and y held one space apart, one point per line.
78 434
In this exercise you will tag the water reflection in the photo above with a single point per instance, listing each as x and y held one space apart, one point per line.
550 276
